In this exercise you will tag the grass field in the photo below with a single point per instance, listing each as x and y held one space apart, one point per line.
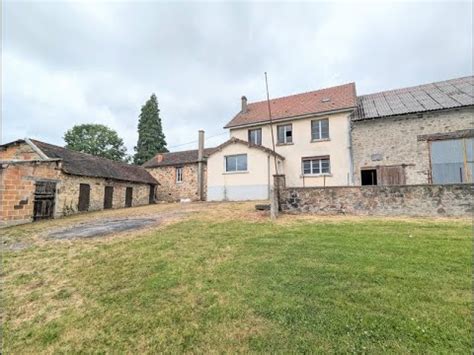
226 279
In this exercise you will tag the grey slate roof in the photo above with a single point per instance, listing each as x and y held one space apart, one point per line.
76 163
176 158
447 94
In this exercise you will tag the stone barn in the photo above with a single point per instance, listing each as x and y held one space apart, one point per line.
417 135
41 180
182 175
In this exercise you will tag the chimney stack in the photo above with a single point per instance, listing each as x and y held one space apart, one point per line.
201 165
244 104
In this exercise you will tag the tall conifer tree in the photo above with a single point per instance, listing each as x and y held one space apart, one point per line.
151 139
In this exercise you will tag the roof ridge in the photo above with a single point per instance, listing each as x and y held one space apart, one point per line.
416 86
302 93
88 154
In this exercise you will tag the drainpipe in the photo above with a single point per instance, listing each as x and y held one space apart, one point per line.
201 165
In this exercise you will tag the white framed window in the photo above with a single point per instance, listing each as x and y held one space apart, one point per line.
320 129
179 174
255 136
316 165
285 134
236 162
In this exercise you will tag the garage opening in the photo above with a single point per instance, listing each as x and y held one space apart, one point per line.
368 177
84 197
128 196
108 197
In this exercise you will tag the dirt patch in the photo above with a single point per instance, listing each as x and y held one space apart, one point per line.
99 228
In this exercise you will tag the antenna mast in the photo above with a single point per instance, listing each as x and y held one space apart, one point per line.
271 125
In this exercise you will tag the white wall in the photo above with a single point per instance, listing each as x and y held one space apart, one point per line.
337 147
253 184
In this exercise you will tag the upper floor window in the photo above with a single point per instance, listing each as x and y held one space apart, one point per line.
236 163
320 129
316 165
285 134
255 136
179 174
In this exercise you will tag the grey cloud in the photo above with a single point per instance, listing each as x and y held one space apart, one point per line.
67 63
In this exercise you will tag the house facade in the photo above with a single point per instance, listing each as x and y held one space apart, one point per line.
332 137
40 180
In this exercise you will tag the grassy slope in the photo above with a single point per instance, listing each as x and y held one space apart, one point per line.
239 286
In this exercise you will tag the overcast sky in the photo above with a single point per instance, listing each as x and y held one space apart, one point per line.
67 63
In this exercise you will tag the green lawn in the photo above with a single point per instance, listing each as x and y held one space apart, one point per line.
204 284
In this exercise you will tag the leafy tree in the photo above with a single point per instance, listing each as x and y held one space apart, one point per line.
151 139
96 139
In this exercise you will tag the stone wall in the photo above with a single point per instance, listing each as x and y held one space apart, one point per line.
68 193
17 187
171 191
414 200
20 151
393 141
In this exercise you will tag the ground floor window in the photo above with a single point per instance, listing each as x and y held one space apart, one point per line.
316 165
235 163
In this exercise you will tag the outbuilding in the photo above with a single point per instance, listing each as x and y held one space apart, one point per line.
41 180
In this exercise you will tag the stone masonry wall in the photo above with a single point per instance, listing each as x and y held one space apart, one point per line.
68 193
393 141
21 151
171 191
414 200
17 187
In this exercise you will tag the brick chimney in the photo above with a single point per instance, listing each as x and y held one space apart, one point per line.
244 104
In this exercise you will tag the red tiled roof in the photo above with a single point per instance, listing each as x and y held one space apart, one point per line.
325 100
235 140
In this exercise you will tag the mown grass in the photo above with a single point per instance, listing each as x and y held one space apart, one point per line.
237 285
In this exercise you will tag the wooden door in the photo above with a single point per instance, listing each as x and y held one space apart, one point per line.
151 196
128 197
84 197
45 193
392 175
108 197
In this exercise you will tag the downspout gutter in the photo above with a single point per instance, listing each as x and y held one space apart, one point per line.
351 154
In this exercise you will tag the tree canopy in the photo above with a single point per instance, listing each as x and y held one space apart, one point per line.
96 139
151 139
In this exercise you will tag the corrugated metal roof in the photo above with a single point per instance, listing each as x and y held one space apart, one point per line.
435 96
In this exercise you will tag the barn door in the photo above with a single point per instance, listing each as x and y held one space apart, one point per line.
84 197
45 192
392 175
452 161
108 197
128 197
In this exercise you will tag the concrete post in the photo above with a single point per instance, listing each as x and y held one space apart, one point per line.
201 165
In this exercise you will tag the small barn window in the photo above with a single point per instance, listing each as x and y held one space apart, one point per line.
179 174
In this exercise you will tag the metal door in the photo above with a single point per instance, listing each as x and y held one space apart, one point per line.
128 197
108 197
84 197
452 161
45 193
